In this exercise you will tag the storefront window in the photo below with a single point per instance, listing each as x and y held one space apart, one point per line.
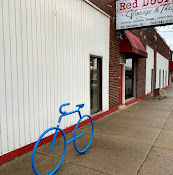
152 80
166 77
96 84
129 78
159 78
163 78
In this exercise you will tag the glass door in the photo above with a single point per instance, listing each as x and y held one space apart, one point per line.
95 84
129 77
163 78
159 78
152 80
121 85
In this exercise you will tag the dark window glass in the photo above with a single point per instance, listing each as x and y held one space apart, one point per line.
159 78
96 84
152 79
129 79
163 78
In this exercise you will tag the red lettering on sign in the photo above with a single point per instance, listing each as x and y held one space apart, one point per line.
160 1
129 6
122 6
135 4
125 6
145 3
153 2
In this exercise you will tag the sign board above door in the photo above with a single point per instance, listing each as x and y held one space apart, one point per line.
142 13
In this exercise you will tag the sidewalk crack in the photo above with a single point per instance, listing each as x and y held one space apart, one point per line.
89 168
76 164
153 144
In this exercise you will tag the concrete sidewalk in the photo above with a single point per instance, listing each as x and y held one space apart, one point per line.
135 140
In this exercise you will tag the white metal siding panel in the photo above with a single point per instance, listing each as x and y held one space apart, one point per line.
35 67
45 49
40 64
24 33
8 74
3 114
163 64
20 72
149 67
30 71
14 80
43 36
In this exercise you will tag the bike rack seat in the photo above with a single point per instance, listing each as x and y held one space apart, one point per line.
80 106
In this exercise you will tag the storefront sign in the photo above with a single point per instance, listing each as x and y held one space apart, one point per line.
142 13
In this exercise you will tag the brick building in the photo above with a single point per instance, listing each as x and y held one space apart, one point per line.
147 78
153 43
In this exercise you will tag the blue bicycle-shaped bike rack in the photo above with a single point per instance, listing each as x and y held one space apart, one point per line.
57 129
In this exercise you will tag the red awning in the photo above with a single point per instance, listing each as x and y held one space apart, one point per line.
171 65
132 45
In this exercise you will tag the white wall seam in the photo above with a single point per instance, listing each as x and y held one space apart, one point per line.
10 37
25 70
17 82
90 3
22 83
6 64
16 94
39 64
3 114
13 67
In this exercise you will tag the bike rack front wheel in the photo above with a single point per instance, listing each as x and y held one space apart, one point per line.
92 133
37 143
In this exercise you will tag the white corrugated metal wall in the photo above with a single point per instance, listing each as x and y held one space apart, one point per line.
149 67
44 62
162 64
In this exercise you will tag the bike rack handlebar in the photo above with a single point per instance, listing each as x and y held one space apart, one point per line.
60 108
66 104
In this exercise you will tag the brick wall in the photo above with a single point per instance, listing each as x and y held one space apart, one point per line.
114 65
155 41
102 4
140 77
141 66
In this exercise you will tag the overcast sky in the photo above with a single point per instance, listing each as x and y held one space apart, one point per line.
166 32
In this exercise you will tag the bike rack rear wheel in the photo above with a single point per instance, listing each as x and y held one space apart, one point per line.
37 143
92 133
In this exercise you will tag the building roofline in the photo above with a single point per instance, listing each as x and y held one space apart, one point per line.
104 8
163 39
